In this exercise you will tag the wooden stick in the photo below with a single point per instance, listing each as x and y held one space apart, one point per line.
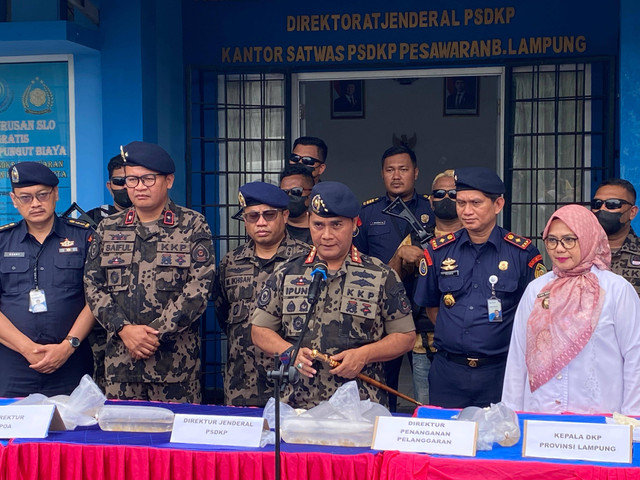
334 363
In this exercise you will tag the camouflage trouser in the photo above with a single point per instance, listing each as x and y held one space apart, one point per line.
98 340
183 392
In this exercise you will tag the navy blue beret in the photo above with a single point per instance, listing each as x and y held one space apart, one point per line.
258 193
148 155
26 174
479 178
333 199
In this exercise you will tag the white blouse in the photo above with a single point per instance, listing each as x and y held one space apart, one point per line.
603 378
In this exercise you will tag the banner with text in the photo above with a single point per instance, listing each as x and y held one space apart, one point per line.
34 125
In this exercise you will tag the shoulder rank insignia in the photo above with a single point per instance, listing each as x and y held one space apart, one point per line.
355 255
425 196
370 201
8 226
77 223
518 241
443 240
130 216
311 256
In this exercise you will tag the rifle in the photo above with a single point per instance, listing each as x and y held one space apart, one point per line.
83 215
399 209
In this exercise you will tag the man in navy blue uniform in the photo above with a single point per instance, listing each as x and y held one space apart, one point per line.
465 278
380 234
43 315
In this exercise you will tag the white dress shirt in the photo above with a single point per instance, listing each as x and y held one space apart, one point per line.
603 378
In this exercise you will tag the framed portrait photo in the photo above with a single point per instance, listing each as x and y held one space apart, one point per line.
461 95
347 99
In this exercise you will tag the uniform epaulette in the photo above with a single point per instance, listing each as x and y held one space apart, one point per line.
425 196
518 241
77 223
438 242
370 201
8 226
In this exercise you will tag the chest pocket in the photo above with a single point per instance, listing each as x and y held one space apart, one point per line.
360 296
240 292
172 264
294 303
450 283
69 269
117 270
16 275
507 283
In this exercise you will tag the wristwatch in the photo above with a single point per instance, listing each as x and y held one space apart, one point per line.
74 341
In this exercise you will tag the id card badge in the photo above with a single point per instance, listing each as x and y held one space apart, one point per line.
494 306
37 301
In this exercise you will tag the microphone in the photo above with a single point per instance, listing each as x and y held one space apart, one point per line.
319 274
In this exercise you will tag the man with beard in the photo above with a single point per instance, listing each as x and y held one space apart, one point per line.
614 206
297 182
380 234
241 275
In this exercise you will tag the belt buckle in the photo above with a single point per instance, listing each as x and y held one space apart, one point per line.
472 362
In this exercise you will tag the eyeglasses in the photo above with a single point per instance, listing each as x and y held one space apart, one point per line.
27 199
119 181
148 180
441 193
308 161
567 242
253 217
610 203
295 191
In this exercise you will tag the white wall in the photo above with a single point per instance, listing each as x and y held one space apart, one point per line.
356 145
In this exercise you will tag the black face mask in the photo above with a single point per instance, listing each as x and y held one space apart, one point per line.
297 206
445 209
610 221
121 197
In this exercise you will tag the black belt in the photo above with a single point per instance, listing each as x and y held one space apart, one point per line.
473 362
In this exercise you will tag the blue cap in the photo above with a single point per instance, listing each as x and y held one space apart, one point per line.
479 178
26 174
259 193
333 199
148 155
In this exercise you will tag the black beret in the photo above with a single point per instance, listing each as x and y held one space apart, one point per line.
258 193
333 199
26 174
148 155
479 178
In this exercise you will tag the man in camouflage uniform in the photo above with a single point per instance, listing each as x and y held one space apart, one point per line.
363 316
147 280
241 276
614 206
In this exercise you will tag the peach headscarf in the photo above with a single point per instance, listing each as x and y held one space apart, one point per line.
556 335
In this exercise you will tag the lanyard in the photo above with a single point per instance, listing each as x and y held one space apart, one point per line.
35 266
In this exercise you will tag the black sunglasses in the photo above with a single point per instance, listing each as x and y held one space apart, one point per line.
308 161
118 181
610 203
253 217
295 191
440 193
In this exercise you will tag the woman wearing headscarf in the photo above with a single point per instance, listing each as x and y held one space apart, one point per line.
575 345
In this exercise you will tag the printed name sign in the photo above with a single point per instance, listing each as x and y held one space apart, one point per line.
447 437
596 442
28 421
218 430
